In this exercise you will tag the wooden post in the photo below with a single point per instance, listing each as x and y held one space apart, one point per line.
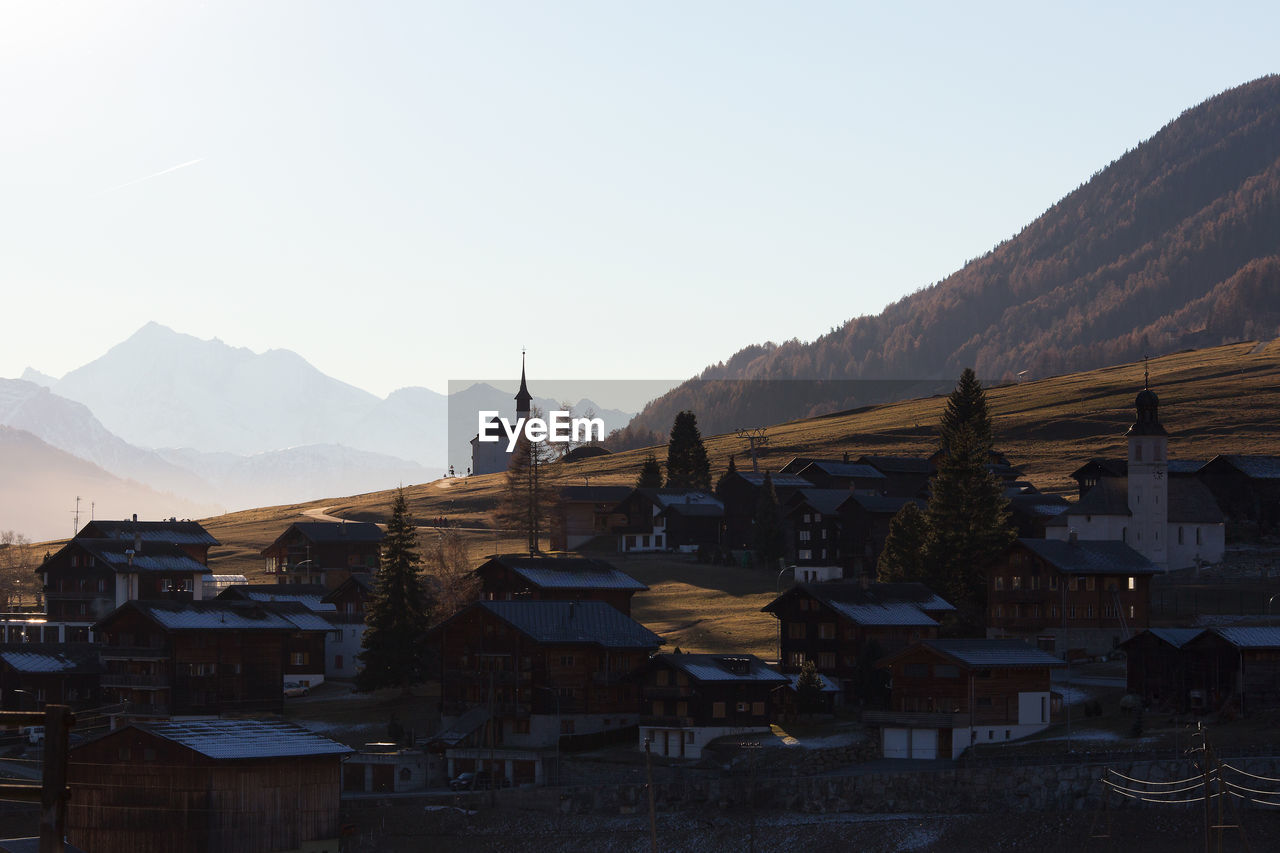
53 783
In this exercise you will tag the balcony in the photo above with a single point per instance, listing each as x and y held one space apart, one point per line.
133 653
669 692
157 681
667 722
499 677
608 678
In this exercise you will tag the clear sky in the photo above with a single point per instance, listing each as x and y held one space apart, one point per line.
408 193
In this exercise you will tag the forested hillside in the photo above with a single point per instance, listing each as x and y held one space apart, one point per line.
1175 244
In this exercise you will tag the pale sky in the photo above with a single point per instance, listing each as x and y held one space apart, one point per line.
409 193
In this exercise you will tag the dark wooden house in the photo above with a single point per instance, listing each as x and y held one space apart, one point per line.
949 694
844 626
517 676
691 699
179 658
1069 596
1234 667
816 532
1157 667
252 786
556 577
668 520
844 475
33 674
905 476
585 512
324 552
739 491
1247 488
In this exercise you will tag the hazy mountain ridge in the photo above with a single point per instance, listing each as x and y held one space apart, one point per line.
1174 244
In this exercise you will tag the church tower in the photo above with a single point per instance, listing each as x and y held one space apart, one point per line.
523 397
1149 479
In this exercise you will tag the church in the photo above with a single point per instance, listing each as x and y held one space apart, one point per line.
1172 521
491 457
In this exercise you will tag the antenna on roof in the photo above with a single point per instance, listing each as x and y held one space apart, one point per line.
1146 372
77 517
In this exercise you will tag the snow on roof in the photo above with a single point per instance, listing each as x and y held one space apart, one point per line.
566 572
721 667
26 661
245 738
983 653
228 616
890 613
310 601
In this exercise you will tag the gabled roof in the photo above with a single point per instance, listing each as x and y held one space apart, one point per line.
595 494
708 668
899 464
69 658
1109 497
310 596
825 501
360 579
224 616
1250 638
666 498
780 481
976 653
236 739
1104 467
154 557
1176 637
331 532
905 604
573 622
1089 557
1042 506
564 571
1191 502
1256 467
158 532
843 470
884 505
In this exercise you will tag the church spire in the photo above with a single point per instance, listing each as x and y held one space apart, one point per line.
523 397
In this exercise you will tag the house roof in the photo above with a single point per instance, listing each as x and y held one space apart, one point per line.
1042 506
719 668
154 556
666 498
595 494
825 501
1090 557
1176 637
51 658
1250 638
32 845
828 685
225 616
780 481
883 504
992 653
844 470
360 579
234 739
1109 497
565 571
310 596
899 464
1191 502
1257 467
159 532
562 622
875 604
465 725
331 532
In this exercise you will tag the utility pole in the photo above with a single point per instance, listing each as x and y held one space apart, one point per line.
653 814
755 439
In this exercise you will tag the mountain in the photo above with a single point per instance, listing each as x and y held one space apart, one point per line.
411 423
299 474
40 484
1175 244
161 388
71 427
34 376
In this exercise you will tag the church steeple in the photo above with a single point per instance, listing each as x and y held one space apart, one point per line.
1148 406
523 398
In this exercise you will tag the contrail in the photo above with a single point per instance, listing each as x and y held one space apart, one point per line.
156 175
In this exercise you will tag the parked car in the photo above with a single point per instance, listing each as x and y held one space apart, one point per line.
482 780
293 688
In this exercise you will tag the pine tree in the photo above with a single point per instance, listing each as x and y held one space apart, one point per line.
903 557
809 688
687 464
394 644
650 474
967 405
530 496
968 521
766 534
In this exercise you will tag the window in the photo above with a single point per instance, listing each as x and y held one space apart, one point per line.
915 670
757 709
566 660
1053 582
1133 583
742 707
688 737
804 554
1137 451
717 710
826 630
795 659
1015 582
663 678
1131 609
827 660
804 536
797 630
299 658
998 583
946 670
1088 611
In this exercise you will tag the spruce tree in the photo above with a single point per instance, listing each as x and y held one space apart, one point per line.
904 552
767 536
809 688
394 644
687 464
968 521
650 474
967 405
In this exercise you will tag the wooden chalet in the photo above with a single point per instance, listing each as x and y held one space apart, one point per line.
905 476
1096 470
668 520
585 512
1030 512
516 676
739 491
556 577
1247 488
1236 667
251 786
33 674
950 694
844 626
688 700
190 536
1157 667
844 475
178 658
324 552
336 656
1081 597
342 649
816 531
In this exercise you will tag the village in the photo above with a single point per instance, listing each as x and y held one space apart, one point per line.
199 698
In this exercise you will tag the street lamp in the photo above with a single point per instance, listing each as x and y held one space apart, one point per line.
1269 600
777 588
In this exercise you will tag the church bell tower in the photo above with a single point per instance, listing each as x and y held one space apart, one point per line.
1149 479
